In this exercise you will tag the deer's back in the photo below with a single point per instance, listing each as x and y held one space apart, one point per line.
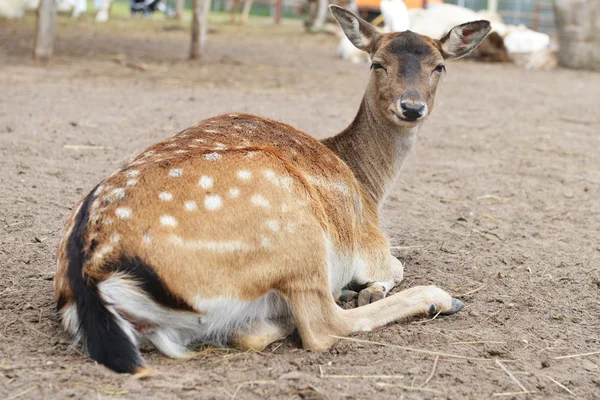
234 197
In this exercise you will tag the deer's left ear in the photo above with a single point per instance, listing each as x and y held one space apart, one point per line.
463 39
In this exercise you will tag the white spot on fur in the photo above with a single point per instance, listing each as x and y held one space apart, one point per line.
265 242
123 212
98 190
331 185
108 221
234 192
98 255
146 238
205 182
115 238
273 225
119 193
244 174
131 182
212 156
212 202
220 146
269 174
260 201
226 246
176 172
211 131
286 182
180 151
133 173
190 205
168 220
165 196
284 208
200 140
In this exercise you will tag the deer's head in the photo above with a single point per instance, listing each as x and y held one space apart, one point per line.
406 67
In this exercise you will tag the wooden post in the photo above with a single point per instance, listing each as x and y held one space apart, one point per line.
578 33
278 10
44 32
493 6
179 8
199 27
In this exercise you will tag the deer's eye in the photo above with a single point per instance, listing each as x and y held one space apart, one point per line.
440 68
376 66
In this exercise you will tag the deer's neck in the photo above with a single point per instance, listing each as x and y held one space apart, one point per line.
374 150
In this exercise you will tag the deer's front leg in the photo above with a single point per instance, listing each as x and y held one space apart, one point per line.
376 289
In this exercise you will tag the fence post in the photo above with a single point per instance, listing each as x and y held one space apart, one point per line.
179 8
278 10
578 33
199 27
44 33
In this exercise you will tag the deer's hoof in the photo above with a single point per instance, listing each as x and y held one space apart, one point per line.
456 306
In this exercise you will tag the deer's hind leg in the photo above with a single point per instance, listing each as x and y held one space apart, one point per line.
319 320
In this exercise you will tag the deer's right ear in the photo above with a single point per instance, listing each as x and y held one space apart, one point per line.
358 31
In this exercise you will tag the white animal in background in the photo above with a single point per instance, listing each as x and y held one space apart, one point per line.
16 8
437 19
520 39
395 16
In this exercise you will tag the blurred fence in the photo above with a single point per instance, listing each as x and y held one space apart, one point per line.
535 14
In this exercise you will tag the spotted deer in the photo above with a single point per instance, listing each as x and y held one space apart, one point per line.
240 229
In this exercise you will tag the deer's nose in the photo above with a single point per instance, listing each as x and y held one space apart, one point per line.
412 110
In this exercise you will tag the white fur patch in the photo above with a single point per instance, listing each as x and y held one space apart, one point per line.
165 196
206 182
223 246
104 250
259 201
119 193
115 238
213 202
273 225
70 321
176 172
123 212
234 193
131 182
168 220
341 267
190 205
223 316
133 173
212 156
244 174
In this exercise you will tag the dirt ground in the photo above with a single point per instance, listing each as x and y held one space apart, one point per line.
498 205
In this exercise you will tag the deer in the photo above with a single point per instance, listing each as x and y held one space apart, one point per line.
240 229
